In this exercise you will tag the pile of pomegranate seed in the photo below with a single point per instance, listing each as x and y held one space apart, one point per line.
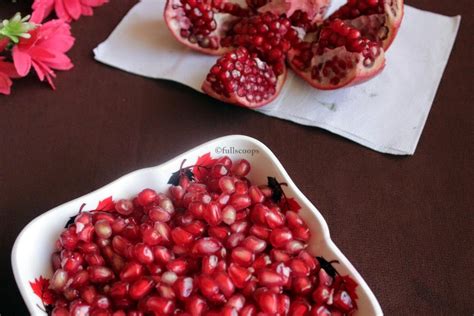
217 245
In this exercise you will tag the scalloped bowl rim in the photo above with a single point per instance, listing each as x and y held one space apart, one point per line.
371 305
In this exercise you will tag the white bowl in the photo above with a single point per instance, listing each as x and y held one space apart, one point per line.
33 247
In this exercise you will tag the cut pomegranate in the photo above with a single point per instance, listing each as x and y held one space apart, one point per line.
200 24
339 56
228 250
243 79
378 20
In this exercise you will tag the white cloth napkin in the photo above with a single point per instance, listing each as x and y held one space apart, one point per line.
386 114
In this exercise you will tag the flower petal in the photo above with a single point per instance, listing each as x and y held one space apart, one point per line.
41 9
22 61
61 11
73 7
5 84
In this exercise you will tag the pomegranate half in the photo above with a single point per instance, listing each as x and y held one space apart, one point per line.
378 20
338 56
241 78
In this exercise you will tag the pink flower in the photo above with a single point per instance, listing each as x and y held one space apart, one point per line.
45 50
65 9
7 71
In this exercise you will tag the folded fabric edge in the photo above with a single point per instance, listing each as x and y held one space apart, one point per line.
424 117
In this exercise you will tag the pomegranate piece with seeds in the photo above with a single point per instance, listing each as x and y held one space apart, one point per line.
339 56
378 20
241 78
241 255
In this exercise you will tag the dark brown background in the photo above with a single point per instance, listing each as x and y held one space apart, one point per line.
406 223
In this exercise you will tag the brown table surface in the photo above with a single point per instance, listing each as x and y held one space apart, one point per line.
406 223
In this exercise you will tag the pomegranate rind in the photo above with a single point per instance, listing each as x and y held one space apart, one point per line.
359 74
175 20
243 102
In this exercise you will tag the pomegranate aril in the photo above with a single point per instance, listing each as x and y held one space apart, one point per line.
218 232
212 213
248 310
324 278
89 294
184 287
178 266
239 275
268 302
260 232
124 207
59 280
241 168
242 256
254 244
95 259
159 305
143 253
226 184
280 237
140 288
69 239
225 284
131 272
240 201
166 291
256 195
343 301
147 197
208 286
157 214
206 246
103 229
196 306
229 214
181 236
162 254
100 274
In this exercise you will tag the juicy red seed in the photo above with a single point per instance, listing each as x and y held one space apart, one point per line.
225 284
178 266
268 302
242 256
226 184
143 253
184 287
162 255
229 214
59 280
147 197
140 288
240 201
256 194
219 170
124 207
239 275
254 244
100 274
131 272
260 232
103 229
196 305
157 214
206 246
280 237
159 305
212 213
181 236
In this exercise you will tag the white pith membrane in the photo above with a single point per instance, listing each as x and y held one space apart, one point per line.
177 20
250 86
380 27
